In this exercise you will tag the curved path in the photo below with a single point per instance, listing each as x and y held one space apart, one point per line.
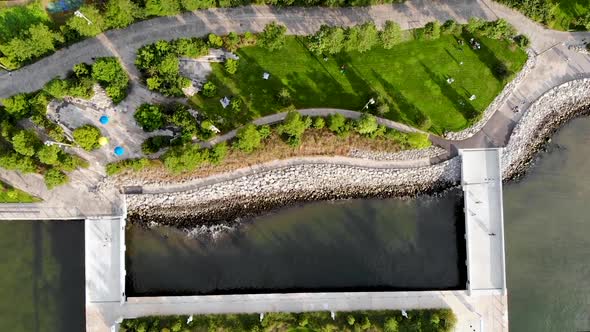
324 112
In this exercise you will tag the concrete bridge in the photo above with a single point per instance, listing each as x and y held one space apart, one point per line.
482 306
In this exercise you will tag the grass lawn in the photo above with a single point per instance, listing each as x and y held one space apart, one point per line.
565 11
411 77
12 195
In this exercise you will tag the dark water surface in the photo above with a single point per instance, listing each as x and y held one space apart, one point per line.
42 276
325 246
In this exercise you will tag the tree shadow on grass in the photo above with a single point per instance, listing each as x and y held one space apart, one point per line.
485 55
461 103
403 110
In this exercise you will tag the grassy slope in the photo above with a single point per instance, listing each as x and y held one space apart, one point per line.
412 76
566 10
12 195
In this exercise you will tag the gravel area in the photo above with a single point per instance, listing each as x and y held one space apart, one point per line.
431 152
498 101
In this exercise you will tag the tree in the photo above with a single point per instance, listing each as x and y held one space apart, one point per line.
327 40
87 137
150 117
184 158
337 124
83 27
273 36
214 40
18 162
474 24
391 35
432 30
368 36
49 154
37 41
120 13
110 74
191 47
366 124
25 142
209 89
197 4
248 138
54 177
218 153
450 27
391 325
293 127
155 143
231 66
161 7
17 106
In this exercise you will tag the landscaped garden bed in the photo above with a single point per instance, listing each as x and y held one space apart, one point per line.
431 320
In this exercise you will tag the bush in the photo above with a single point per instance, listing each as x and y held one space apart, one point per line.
284 97
155 144
218 153
319 123
150 117
366 124
338 124
214 40
523 41
231 66
191 47
54 177
432 30
273 36
209 89
450 27
293 127
135 165
391 35
184 158
87 137
248 138
59 88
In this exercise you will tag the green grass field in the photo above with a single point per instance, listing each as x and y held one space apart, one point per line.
411 77
565 13
12 195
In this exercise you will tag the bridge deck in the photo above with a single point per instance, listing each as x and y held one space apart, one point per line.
481 179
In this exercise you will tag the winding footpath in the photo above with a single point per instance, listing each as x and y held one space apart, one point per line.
554 65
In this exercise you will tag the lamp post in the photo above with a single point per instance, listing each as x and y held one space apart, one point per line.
370 102
78 13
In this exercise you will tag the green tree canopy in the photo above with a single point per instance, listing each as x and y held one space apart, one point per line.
120 13
83 27
248 138
184 158
368 36
54 177
391 35
293 127
150 117
17 106
273 36
366 124
197 4
25 142
161 7
432 30
49 154
327 39
87 137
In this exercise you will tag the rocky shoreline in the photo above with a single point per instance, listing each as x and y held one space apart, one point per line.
229 202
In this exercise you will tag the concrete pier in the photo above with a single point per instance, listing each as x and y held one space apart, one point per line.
482 306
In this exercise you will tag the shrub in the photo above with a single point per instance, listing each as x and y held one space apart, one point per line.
218 153
59 88
391 325
135 165
391 35
523 41
231 66
474 24
25 142
209 89
450 27
214 40
184 158
284 97
49 154
273 36
338 124
155 143
319 123
87 137
366 124
191 47
432 30
248 138
293 127
150 117
54 177
264 131
82 70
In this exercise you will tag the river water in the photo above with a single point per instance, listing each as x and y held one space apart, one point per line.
356 244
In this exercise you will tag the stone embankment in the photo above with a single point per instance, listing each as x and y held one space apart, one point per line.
224 202
497 102
545 116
